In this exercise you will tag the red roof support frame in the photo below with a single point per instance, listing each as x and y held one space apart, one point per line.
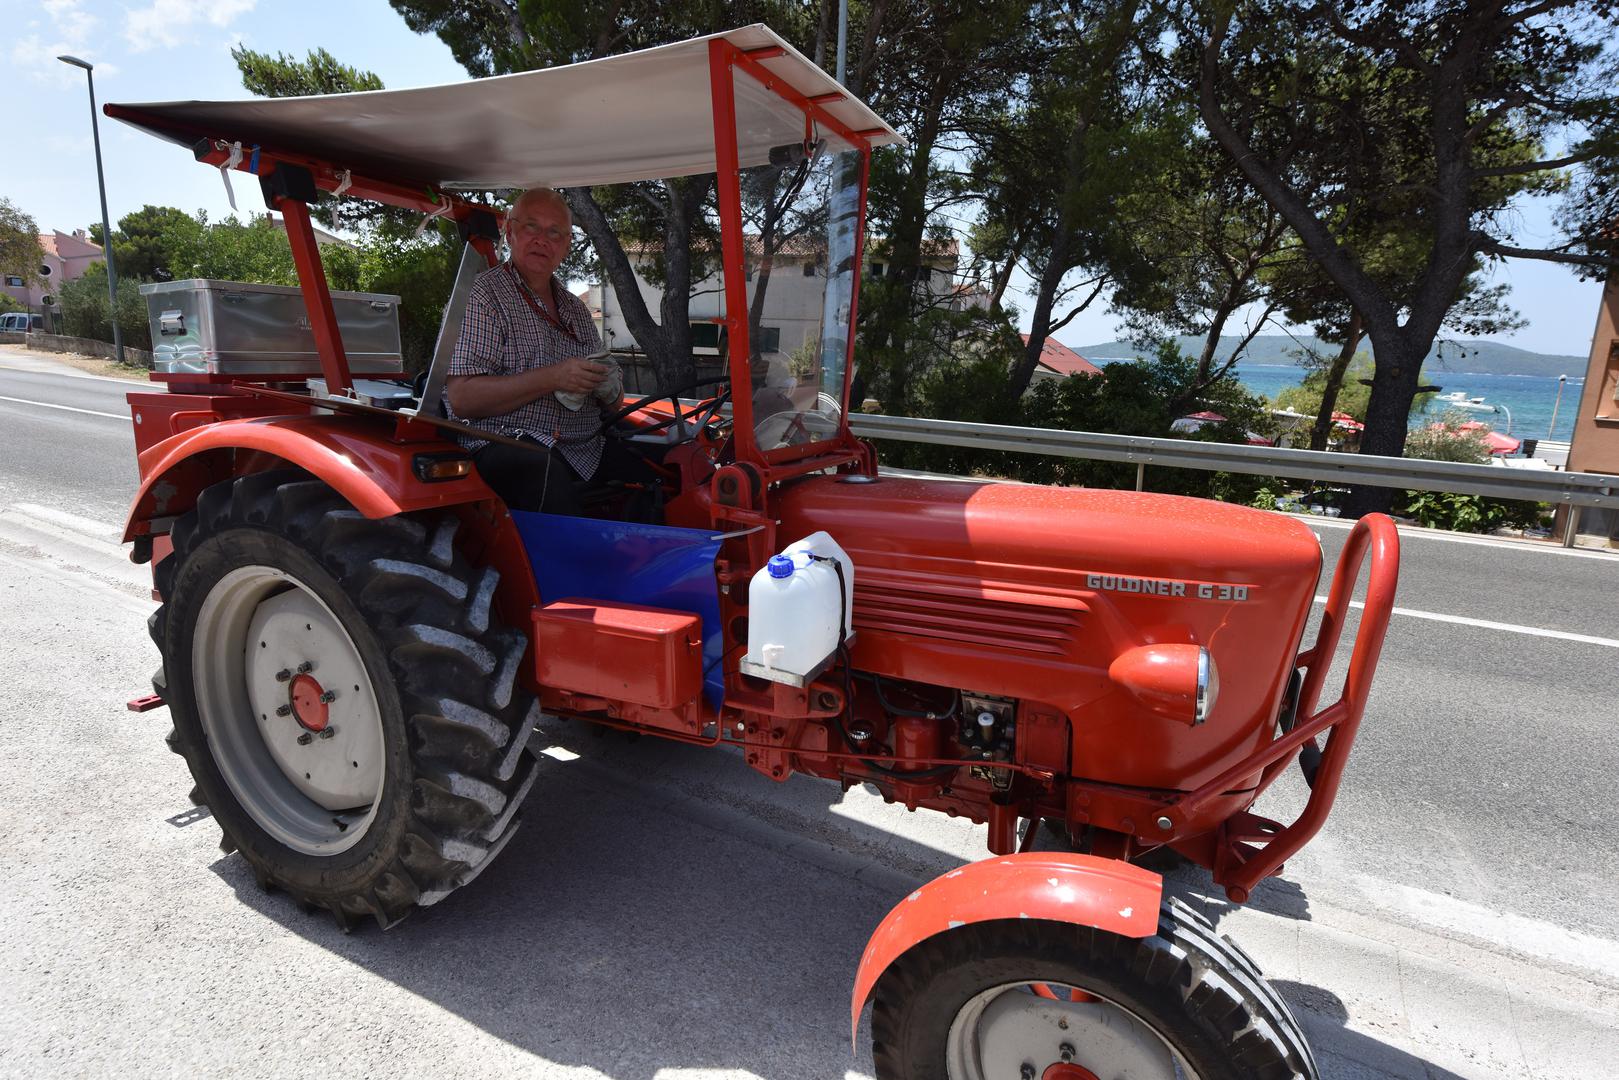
724 58
334 363
300 229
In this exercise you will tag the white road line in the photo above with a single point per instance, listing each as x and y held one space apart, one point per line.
1486 624
101 530
1515 933
46 367
1499 543
66 408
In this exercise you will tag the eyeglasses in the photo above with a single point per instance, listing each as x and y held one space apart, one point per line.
531 230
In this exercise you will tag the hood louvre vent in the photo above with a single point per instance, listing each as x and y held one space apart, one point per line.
1003 616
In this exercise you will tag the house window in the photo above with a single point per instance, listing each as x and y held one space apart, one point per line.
13 281
769 339
705 335
809 268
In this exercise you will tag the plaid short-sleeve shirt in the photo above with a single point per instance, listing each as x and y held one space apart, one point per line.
503 335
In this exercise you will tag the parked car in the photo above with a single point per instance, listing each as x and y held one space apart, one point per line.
22 322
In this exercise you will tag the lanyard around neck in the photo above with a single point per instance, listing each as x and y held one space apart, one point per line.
540 309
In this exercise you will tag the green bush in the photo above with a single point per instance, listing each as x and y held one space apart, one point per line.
1445 440
1469 513
421 273
85 310
11 303
1124 399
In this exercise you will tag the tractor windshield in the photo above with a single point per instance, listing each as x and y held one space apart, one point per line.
800 224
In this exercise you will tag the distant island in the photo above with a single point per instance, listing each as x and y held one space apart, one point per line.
1473 357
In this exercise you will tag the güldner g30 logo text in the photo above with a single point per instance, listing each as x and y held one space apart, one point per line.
1163 587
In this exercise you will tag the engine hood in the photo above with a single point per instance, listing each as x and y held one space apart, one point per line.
1032 592
1059 528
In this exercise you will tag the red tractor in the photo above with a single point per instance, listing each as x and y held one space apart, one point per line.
358 635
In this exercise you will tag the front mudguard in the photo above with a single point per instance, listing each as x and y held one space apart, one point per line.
369 469
1055 886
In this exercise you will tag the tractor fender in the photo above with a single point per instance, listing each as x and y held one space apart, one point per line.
1085 890
368 469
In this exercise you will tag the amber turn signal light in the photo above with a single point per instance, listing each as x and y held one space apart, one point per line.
442 465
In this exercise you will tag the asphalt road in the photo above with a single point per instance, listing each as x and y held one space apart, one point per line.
68 435
1485 766
665 912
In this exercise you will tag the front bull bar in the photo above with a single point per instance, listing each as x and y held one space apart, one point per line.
1250 848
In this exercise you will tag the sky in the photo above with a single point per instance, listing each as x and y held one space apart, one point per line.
164 50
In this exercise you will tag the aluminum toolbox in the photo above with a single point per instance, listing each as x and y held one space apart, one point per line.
209 327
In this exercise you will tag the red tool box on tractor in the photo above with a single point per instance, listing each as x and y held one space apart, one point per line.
358 635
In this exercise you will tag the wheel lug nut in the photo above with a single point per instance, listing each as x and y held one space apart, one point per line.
1026 1071
283 675
304 738
305 668
328 696
283 710
1066 1051
327 732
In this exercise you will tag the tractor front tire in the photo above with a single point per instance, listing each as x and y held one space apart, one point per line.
344 696
1034 998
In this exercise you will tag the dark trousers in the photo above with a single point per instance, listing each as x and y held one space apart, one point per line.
541 479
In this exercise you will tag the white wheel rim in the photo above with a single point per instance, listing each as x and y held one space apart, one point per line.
308 774
1011 1029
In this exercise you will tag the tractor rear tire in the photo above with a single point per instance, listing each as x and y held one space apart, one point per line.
1038 998
344 696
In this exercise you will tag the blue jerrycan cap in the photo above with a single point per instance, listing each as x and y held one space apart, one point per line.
780 566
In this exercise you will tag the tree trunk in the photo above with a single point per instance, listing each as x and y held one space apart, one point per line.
1335 381
1040 329
768 239
1211 342
676 368
667 346
1107 48
1394 388
1056 261
1003 277
904 251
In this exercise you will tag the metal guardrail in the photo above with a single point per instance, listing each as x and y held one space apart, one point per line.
1564 488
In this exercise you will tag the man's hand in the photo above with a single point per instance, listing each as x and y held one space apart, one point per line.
578 375
476 396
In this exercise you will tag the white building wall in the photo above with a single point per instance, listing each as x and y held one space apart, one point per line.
793 301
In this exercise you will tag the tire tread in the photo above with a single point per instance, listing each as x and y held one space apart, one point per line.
430 611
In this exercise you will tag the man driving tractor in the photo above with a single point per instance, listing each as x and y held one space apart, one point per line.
524 367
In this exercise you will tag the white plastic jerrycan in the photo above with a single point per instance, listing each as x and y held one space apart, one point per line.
794 607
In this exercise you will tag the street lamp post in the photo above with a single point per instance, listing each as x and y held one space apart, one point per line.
1562 381
106 226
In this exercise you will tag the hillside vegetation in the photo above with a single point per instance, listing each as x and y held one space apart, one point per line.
1478 357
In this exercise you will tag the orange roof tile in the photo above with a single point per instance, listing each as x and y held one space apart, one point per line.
1063 360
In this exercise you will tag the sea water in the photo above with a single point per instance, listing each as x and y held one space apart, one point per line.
1527 398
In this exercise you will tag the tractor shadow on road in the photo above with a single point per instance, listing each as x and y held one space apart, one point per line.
1274 896
663 907
618 933
1343 1052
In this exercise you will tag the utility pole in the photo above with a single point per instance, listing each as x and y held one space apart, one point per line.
106 225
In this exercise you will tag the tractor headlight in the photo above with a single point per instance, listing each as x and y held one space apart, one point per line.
1177 682
1208 685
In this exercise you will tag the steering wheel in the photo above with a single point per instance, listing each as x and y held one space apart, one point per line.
699 417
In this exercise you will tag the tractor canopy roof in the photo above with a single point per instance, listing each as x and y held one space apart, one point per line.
637 116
